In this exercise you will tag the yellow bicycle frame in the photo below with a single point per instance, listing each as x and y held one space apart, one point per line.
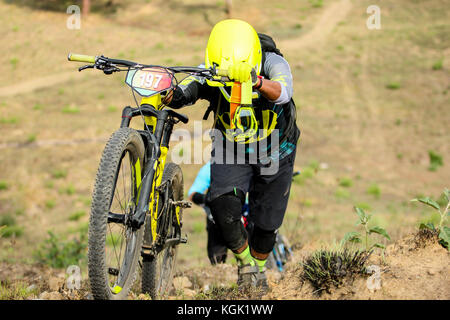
156 102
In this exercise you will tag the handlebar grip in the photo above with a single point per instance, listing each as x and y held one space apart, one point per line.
222 72
81 58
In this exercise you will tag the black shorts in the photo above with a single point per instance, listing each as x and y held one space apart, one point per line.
268 194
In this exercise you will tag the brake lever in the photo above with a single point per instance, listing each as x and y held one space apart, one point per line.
89 66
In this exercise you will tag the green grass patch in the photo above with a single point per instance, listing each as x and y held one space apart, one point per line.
4 185
112 108
31 138
374 190
70 109
16 291
50 204
60 253
438 65
436 160
12 120
59 173
342 193
77 215
316 3
393 86
345 182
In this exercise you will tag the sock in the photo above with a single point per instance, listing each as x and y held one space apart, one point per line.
260 263
245 257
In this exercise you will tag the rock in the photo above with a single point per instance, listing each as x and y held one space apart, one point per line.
180 283
54 295
431 272
55 283
143 297
324 166
189 292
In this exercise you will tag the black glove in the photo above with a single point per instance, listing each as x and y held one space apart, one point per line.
199 198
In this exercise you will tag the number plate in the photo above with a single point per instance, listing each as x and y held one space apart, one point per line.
149 81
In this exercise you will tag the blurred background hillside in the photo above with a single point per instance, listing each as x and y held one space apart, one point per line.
373 107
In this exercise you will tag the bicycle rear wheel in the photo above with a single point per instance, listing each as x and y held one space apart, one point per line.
157 272
113 247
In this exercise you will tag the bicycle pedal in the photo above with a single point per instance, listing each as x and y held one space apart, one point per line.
184 240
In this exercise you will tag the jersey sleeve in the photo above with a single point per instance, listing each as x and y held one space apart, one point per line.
202 181
277 69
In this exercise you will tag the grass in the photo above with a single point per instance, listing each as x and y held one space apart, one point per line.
345 182
60 253
393 86
342 193
77 215
374 190
327 269
438 65
12 120
436 160
16 291
50 204
9 227
59 173
70 109
4 185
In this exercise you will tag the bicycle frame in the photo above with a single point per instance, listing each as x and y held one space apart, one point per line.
148 178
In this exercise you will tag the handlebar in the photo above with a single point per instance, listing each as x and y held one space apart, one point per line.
81 58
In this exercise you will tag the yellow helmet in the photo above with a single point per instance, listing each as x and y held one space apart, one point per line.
233 41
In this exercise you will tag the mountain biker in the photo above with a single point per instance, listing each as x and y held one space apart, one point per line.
216 245
235 46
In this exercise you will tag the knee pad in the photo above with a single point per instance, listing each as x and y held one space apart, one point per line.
262 241
227 210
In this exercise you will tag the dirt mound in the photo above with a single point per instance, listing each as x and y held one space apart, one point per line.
416 267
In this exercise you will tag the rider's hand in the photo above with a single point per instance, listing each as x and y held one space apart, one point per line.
242 72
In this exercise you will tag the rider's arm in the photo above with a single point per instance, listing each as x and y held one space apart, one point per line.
279 87
187 92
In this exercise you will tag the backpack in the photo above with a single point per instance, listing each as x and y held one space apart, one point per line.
267 45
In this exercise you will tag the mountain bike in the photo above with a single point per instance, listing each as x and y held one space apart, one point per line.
137 200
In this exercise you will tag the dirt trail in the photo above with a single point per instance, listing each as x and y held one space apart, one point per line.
334 13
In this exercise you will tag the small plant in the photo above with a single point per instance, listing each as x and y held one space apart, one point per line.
345 182
316 3
70 109
342 193
442 230
438 65
112 109
77 215
59 254
356 237
50 204
435 160
16 291
9 227
327 269
374 190
393 86
3 185
58 174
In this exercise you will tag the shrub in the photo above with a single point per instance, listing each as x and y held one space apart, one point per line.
435 160
345 182
327 269
442 230
374 190
58 253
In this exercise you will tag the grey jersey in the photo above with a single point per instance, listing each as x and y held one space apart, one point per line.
276 68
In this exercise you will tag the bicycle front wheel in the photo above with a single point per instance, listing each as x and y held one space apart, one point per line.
113 247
